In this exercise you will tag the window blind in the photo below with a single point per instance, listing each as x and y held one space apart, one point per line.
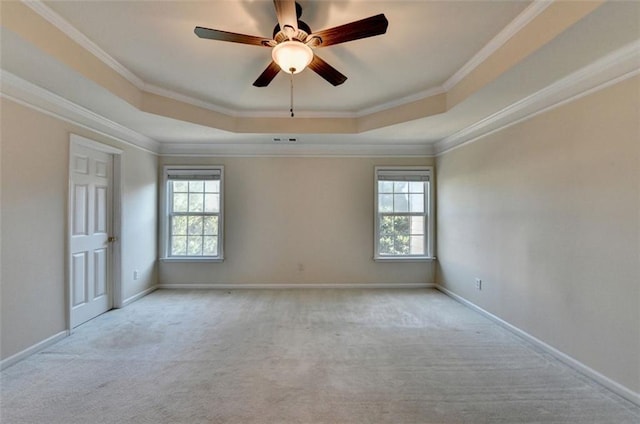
393 175
193 174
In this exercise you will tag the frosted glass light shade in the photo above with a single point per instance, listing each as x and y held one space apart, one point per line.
292 56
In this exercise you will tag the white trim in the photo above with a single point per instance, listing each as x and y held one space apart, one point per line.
72 32
615 67
74 122
502 37
383 259
619 65
299 114
30 95
195 259
434 91
271 286
43 100
164 215
63 25
428 214
116 222
610 384
160 91
117 184
11 360
515 26
116 230
92 144
297 150
421 95
138 296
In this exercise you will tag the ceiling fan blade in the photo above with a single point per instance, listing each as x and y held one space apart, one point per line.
368 27
268 75
216 34
326 71
286 12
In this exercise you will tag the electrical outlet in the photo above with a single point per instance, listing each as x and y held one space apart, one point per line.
135 274
478 284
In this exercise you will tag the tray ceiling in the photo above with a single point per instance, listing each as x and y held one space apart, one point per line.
442 68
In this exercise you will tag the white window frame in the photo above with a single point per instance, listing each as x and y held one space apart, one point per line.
428 208
165 199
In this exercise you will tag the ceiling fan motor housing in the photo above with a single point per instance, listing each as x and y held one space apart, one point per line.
291 46
301 35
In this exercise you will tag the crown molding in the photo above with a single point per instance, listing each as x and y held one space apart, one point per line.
63 25
613 68
434 91
36 97
72 32
160 91
154 89
621 64
296 150
512 28
299 114
28 94
617 66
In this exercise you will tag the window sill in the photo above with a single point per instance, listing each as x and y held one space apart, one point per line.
191 259
404 259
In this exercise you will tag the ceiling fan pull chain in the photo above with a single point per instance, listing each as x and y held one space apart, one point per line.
291 99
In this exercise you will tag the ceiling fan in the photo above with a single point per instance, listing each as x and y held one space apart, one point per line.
293 41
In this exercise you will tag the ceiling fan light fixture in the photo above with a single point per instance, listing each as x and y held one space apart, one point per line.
292 56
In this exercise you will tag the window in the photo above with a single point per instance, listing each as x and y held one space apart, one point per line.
193 224
403 218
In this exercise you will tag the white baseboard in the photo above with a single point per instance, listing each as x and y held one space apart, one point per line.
300 286
138 296
7 362
614 386
61 335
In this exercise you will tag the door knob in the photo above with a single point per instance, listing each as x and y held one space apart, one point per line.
111 239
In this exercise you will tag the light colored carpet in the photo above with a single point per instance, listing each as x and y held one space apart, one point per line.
300 356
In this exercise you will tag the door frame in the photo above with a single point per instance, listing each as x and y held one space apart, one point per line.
115 265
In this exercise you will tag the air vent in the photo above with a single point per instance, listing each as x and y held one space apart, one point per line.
285 140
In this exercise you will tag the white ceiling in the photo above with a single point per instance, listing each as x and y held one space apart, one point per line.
427 42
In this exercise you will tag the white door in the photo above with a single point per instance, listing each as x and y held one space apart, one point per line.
90 206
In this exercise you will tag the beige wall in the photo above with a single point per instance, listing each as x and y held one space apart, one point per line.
140 222
297 221
34 175
547 213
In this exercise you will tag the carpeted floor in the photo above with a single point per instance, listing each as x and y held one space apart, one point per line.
300 356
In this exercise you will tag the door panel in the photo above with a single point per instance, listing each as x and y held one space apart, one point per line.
100 267
101 210
79 278
80 199
91 203
81 164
